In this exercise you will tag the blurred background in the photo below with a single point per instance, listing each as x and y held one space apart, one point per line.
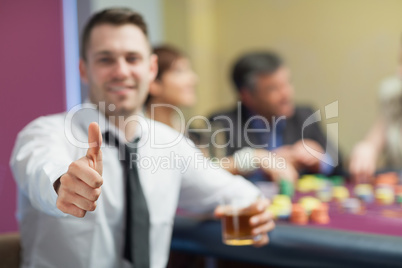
337 51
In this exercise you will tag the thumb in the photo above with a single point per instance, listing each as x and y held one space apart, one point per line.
94 153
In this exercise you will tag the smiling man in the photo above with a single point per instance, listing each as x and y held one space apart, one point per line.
99 206
117 64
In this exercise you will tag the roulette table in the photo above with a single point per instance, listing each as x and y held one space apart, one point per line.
369 237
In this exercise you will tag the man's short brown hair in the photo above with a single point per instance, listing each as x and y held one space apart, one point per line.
114 16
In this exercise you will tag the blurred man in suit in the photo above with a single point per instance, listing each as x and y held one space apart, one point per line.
267 120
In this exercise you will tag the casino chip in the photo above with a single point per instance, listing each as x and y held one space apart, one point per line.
385 195
340 193
309 203
364 192
299 215
351 205
320 214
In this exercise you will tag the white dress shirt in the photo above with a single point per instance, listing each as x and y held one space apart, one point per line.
47 146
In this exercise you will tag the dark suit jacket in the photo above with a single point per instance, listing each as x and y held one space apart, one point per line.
236 120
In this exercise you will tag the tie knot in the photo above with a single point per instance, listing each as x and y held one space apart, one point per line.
111 139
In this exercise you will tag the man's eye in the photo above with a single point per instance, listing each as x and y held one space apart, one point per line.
105 60
132 59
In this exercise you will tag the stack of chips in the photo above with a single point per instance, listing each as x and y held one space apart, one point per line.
309 203
351 205
340 193
384 194
337 180
304 184
325 191
286 187
321 176
398 191
309 183
386 184
364 192
320 214
281 206
299 215
390 178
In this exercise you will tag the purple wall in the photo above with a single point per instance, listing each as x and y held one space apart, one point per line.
31 80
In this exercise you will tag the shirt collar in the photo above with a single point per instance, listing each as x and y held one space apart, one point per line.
87 113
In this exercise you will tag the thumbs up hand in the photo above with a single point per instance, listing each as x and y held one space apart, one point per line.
94 153
79 189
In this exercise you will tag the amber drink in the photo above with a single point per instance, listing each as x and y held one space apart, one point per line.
236 228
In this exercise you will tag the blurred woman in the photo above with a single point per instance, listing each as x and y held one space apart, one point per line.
385 136
173 87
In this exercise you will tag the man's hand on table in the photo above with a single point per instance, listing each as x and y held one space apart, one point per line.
304 158
298 155
261 222
276 172
363 162
79 189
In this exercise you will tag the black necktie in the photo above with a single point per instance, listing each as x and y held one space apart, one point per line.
136 243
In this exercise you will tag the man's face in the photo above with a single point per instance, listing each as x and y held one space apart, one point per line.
119 68
272 95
